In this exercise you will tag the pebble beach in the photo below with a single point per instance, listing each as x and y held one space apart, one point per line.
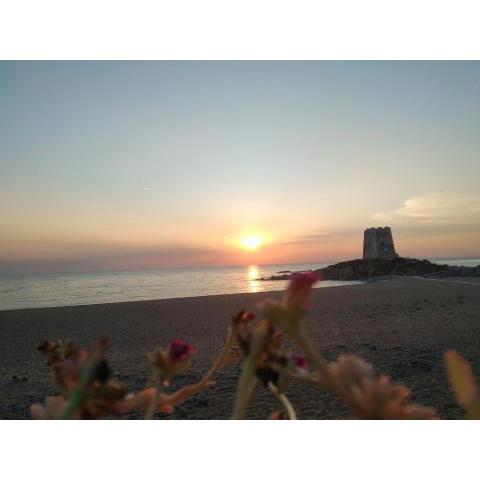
401 325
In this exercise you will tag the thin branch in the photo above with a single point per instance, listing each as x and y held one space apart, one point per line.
284 401
203 382
154 403
316 359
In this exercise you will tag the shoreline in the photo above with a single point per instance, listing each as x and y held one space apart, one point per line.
92 288
384 278
402 326
344 283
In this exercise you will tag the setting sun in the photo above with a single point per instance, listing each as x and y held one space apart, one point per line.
251 243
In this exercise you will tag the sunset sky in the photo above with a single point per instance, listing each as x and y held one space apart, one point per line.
131 165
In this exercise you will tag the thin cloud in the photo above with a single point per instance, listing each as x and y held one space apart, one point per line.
434 209
87 257
321 237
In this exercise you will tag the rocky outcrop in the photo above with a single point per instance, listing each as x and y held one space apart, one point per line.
364 269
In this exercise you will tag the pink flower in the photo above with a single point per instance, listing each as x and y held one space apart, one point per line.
179 351
50 410
372 397
242 325
300 361
289 314
242 318
298 291
170 362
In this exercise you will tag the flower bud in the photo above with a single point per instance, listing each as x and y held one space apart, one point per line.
298 291
169 362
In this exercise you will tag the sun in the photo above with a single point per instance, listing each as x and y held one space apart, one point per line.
251 242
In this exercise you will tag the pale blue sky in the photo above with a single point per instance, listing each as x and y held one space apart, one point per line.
156 160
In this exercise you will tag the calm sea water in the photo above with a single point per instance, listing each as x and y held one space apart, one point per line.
57 289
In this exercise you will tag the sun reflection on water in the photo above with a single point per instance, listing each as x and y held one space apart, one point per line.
253 273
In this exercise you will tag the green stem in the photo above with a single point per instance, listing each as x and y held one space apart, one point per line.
284 401
153 404
313 355
246 387
315 358
218 362
80 393
223 353
76 400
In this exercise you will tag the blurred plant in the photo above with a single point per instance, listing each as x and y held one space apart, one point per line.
463 384
86 389
83 379
371 397
350 377
166 364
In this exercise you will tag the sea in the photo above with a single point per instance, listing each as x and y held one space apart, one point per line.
19 291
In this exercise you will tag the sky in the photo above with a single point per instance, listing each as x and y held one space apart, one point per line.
133 165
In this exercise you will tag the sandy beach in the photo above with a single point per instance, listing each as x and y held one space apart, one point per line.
401 325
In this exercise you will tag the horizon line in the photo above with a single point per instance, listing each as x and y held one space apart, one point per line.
256 264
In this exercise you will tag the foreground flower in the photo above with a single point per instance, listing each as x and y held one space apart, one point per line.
165 364
179 352
83 377
373 398
172 361
242 318
50 410
463 383
69 362
299 289
289 314
299 361
242 326
57 350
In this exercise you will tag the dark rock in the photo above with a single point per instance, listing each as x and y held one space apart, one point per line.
364 269
276 277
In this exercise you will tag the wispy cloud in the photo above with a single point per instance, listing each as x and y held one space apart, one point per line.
92 257
434 209
321 237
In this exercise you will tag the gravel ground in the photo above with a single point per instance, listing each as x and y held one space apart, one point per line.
402 326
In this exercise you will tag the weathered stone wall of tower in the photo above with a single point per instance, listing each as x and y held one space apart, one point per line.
378 243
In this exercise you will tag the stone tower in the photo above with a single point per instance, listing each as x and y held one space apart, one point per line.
378 243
